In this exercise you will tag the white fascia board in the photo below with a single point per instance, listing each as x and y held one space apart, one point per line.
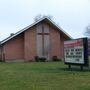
5 40
59 28
45 17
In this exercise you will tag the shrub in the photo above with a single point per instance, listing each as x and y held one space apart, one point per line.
54 58
36 58
42 59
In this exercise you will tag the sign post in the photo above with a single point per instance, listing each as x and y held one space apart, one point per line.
76 52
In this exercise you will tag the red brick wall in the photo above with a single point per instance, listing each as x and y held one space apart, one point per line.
62 46
30 44
55 43
0 53
23 46
14 48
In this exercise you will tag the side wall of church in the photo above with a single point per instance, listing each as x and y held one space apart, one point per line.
24 46
62 45
0 53
14 49
30 44
55 43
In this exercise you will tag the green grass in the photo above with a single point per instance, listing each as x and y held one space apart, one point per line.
42 76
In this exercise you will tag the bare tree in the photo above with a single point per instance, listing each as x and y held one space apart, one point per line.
39 16
87 32
49 16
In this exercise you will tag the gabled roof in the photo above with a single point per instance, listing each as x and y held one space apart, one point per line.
44 18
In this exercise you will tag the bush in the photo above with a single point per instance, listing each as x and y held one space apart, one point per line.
43 59
36 58
54 58
2 60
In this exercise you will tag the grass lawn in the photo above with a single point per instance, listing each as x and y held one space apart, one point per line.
42 76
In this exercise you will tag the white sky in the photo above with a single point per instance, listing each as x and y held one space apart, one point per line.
71 15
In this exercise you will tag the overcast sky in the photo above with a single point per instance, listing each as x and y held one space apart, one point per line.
71 15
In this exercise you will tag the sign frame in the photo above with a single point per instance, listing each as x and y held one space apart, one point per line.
85 52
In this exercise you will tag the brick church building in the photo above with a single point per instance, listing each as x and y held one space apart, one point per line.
43 38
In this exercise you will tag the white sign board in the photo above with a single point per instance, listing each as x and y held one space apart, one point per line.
74 51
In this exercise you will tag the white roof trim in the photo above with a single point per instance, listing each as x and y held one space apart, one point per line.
5 40
59 28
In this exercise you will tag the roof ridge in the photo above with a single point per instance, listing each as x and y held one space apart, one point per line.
34 23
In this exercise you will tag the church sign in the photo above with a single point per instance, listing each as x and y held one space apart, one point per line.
76 52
